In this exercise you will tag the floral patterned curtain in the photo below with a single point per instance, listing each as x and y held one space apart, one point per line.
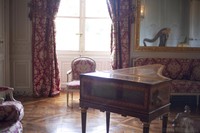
120 11
46 80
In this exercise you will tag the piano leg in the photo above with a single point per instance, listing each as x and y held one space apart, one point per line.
146 127
164 123
83 119
107 121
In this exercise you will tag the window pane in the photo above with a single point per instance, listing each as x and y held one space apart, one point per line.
67 37
96 8
69 8
97 34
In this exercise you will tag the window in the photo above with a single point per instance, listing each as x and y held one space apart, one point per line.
83 25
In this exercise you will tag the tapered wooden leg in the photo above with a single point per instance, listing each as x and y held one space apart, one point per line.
83 119
145 127
72 99
164 123
107 121
67 96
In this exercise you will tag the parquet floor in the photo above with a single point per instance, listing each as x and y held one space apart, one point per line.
51 115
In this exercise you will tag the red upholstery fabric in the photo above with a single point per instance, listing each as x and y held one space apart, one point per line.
3 88
82 65
11 112
185 86
73 84
79 66
184 72
195 74
11 127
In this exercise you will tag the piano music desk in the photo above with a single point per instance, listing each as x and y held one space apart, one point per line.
140 92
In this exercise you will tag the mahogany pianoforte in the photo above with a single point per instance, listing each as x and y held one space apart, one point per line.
140 92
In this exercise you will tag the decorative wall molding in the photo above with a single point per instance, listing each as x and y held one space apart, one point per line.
20 48
2 72
2 57
22 74
22 93
21 26
1 19
22 77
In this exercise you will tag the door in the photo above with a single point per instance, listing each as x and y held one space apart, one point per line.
2 43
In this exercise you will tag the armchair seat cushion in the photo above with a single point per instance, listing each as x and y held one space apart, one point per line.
11 111
195 74
10 127
75 84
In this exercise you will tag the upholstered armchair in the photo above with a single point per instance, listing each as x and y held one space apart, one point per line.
78 66
11 112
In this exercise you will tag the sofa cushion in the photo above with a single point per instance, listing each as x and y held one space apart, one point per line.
185 86
175 68
195 74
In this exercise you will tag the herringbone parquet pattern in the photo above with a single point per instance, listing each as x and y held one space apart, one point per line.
51 115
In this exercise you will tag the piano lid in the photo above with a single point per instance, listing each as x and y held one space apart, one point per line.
149 74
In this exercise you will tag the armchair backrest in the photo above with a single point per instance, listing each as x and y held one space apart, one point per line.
82 65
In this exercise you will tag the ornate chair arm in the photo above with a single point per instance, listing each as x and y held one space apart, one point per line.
68 74
1 100
7 91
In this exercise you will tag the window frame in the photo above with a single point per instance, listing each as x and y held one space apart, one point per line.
81 50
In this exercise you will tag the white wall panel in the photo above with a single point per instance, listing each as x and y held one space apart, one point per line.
2 43
21 76
103 65
21 56
1 72
1 19
65 66
21 23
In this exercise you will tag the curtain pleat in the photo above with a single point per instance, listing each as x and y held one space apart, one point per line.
120 13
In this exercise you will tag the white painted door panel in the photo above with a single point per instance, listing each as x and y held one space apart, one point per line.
2 46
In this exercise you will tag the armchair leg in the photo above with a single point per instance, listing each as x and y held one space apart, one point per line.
72 100
67 96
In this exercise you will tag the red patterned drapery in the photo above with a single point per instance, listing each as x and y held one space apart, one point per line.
120 13
46 80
